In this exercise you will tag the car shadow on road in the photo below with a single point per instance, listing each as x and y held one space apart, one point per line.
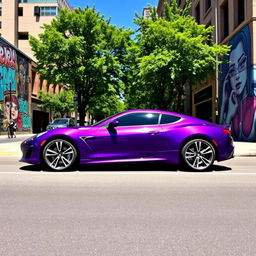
117 167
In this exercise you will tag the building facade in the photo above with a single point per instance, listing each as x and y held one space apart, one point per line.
21 18
19 82
14 87
146 13
20 88
230 98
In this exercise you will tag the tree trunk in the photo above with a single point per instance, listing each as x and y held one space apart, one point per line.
81 104
82 114
179 99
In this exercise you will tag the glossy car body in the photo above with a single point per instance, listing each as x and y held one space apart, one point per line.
134 135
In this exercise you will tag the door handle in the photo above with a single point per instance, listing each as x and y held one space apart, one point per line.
154 132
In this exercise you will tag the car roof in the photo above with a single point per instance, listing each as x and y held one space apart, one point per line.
103 122
152 111
62 118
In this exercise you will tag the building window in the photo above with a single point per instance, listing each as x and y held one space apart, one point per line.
239 10
49 11
23 35
0 11
224 20
0 22
207 5
197 13
20 11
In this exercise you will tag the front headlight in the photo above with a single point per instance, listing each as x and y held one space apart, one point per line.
35 136
40 134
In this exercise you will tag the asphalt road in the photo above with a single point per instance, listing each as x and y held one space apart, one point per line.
128 209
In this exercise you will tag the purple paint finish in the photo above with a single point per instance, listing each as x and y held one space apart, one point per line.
136 142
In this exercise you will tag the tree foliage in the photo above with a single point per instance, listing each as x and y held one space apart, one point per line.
170 52
83 50
106 105
62 102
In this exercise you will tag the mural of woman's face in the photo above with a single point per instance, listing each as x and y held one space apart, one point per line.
238 69
14 110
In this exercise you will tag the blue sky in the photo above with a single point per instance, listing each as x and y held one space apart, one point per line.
121 12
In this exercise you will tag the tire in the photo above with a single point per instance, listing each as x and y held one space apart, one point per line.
59 155
198 155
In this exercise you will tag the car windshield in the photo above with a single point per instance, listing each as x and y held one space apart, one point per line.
103 120
60 121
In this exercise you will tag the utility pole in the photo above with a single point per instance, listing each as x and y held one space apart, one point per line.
10 113
217 66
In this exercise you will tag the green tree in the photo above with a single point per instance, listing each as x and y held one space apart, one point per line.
62 102
106 105
170 52
81 49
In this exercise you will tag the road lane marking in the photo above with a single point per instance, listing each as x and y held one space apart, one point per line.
9 153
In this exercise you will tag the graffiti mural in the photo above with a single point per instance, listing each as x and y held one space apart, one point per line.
237 101
13 88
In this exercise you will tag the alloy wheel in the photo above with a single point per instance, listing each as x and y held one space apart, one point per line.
198 154
59 154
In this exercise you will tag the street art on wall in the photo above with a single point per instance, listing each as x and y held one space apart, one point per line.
237 99
13 88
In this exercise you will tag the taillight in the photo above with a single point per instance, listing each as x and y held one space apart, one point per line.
227 131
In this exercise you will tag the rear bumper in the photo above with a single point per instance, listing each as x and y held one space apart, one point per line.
226 150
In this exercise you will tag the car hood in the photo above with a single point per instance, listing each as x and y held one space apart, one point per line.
66 131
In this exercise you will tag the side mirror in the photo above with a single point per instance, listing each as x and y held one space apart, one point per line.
113 124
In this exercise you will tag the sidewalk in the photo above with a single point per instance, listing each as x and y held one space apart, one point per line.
11 147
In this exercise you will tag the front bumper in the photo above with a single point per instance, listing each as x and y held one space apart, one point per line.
31 152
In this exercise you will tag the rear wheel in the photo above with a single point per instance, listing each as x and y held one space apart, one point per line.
59 155
198 154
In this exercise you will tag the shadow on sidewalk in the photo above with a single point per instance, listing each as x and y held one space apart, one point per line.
131 167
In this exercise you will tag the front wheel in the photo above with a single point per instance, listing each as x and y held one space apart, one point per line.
198 154
59 155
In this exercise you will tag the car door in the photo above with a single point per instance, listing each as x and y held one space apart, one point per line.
137 135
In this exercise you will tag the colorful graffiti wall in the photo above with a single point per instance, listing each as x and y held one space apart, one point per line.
13 88
237 98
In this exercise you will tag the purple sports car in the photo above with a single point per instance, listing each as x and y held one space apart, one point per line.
135 135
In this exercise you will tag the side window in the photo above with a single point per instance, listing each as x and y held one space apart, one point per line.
168 119
138 119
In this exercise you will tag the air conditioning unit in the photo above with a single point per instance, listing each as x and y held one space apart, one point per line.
37 11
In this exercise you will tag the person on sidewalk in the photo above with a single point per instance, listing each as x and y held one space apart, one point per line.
12 126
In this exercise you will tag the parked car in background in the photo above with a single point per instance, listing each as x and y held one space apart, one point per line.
61 123
135 135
